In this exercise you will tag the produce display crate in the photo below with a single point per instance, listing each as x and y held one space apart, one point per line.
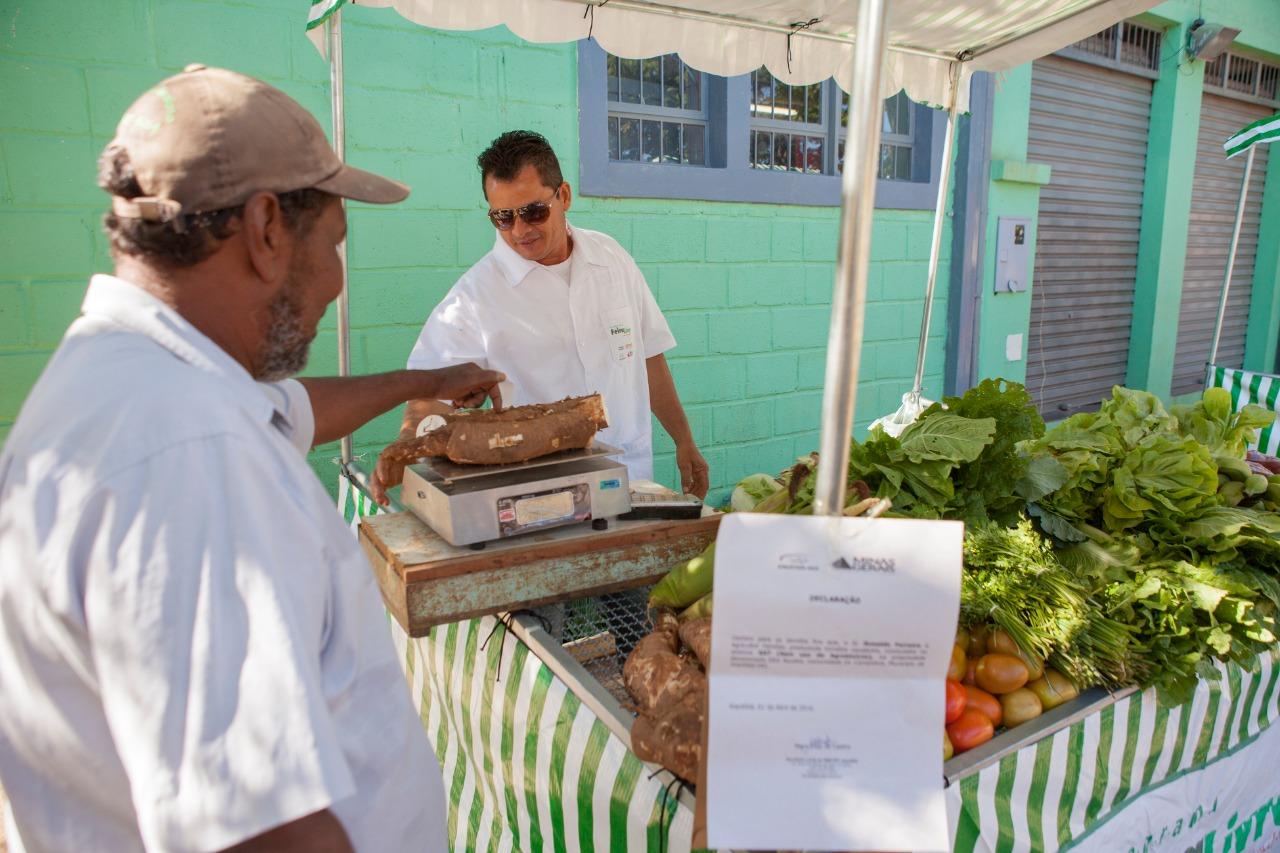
529 719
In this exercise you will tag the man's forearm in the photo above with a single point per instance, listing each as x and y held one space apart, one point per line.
665 402
343 404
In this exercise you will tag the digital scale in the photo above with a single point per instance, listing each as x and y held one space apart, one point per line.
473 504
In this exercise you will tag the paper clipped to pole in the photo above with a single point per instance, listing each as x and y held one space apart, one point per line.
830 645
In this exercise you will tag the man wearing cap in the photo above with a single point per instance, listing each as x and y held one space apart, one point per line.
193 653
563 311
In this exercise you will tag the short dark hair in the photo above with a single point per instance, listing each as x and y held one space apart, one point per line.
515 149
162 242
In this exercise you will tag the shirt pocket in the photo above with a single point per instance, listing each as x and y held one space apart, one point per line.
619 331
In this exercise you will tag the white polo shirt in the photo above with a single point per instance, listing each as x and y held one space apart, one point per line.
555 339
192 646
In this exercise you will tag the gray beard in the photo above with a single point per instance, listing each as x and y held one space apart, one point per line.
287 345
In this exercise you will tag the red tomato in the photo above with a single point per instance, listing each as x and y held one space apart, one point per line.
969 730
984 703
957 699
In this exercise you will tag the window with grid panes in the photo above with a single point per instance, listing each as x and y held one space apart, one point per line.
897 145
788 126
793 129
642 117
657 111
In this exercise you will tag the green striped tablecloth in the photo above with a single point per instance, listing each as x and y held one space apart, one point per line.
1260 388
528 767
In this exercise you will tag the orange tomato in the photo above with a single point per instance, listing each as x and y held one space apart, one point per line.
955 670
984 703
1001 642
1019 706
957 699
971 729
1053 688
1001 673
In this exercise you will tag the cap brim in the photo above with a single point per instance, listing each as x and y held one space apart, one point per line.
359 185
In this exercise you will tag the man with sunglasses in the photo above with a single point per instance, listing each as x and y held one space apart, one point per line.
561 311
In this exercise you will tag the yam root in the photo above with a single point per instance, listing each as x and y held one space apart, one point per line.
654 674
696 634
673 736
486 437
658 678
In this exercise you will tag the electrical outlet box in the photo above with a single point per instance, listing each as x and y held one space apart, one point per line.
1013 254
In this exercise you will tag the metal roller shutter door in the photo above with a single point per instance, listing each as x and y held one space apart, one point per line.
1090 124
1215 194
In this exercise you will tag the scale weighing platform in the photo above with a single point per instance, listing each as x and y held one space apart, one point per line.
474 504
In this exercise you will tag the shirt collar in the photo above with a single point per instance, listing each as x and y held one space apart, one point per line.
128 305
516 268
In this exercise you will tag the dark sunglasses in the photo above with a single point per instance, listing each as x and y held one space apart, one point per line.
534 213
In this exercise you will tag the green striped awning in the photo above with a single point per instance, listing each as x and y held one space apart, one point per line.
1260 389
1262 130
321 10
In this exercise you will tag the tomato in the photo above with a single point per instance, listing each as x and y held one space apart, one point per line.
971 729
962 639
1019 706
977 641
1035 666
1001 642
957 698
1053 688
947 749
955 670
970 673
999 673
984 703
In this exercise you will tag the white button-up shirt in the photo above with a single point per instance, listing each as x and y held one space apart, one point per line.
192 646
556 340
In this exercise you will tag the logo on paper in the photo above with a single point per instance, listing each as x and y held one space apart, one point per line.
619 329
796 563
885 565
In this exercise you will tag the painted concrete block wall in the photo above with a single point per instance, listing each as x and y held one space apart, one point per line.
746 288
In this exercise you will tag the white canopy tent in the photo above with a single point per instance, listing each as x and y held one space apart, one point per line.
874 48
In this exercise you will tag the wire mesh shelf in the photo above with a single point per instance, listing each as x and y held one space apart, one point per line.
600 632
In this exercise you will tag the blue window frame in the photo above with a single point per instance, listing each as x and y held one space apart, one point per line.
655 128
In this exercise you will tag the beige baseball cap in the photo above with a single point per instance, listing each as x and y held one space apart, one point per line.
208 138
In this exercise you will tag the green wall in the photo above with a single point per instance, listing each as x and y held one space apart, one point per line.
746 288
1167 203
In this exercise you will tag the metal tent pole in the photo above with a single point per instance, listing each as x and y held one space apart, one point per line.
848 299
939 214
333 38
1231 257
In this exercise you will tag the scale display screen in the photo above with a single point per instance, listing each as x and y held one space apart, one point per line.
521 513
